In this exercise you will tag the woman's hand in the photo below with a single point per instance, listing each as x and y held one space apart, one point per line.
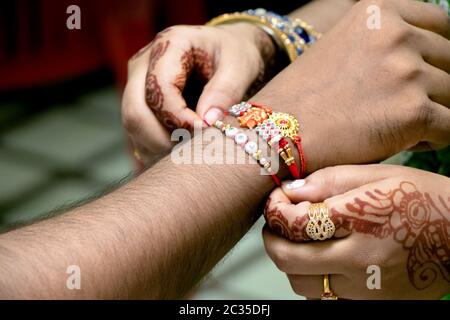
364 94
229 58
395 218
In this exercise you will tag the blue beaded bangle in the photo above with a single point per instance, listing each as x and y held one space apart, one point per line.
298 32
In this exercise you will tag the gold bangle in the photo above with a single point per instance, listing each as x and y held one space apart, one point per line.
280 37
308 28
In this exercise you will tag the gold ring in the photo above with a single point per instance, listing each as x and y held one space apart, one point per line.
327 293
137 155
320 226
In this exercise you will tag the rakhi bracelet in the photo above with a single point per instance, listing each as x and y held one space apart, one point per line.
291 44
250 147
289 127
258 117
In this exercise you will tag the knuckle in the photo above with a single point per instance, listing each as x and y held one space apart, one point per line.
421 112
400 33
410 71
131 119
280 256
404 68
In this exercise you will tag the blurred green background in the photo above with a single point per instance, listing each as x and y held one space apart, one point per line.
435 161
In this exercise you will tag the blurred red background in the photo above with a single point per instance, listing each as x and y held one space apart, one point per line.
38 49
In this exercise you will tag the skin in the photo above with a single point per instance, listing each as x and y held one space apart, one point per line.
376 92
154 256
228 61
215 55
393 217
146 240
128 243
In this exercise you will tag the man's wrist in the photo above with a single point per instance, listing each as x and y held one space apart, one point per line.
280 169
303 113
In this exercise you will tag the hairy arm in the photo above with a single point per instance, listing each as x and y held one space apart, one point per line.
144 240
155 237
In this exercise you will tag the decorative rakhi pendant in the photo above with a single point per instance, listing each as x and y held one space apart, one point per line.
254 116
287 124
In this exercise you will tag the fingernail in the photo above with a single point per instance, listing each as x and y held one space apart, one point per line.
292 185
213 115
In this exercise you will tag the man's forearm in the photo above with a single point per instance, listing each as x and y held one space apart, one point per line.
155 237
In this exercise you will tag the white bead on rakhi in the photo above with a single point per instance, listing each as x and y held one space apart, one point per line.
251 147
241 139
231 132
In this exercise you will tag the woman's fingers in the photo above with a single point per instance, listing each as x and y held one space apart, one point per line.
290 221
148 136
312 287
170 65
364 209
227 86
313 258
286 219
331 181
286 211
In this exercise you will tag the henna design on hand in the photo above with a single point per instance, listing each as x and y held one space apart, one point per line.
405 213
195 59
153 94
280 225
276 220
171 122
145 49
410 217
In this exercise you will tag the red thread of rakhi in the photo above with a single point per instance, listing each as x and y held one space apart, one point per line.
285 152
298 143
275 179
292 132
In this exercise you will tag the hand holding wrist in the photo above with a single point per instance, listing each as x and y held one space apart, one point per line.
255 35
